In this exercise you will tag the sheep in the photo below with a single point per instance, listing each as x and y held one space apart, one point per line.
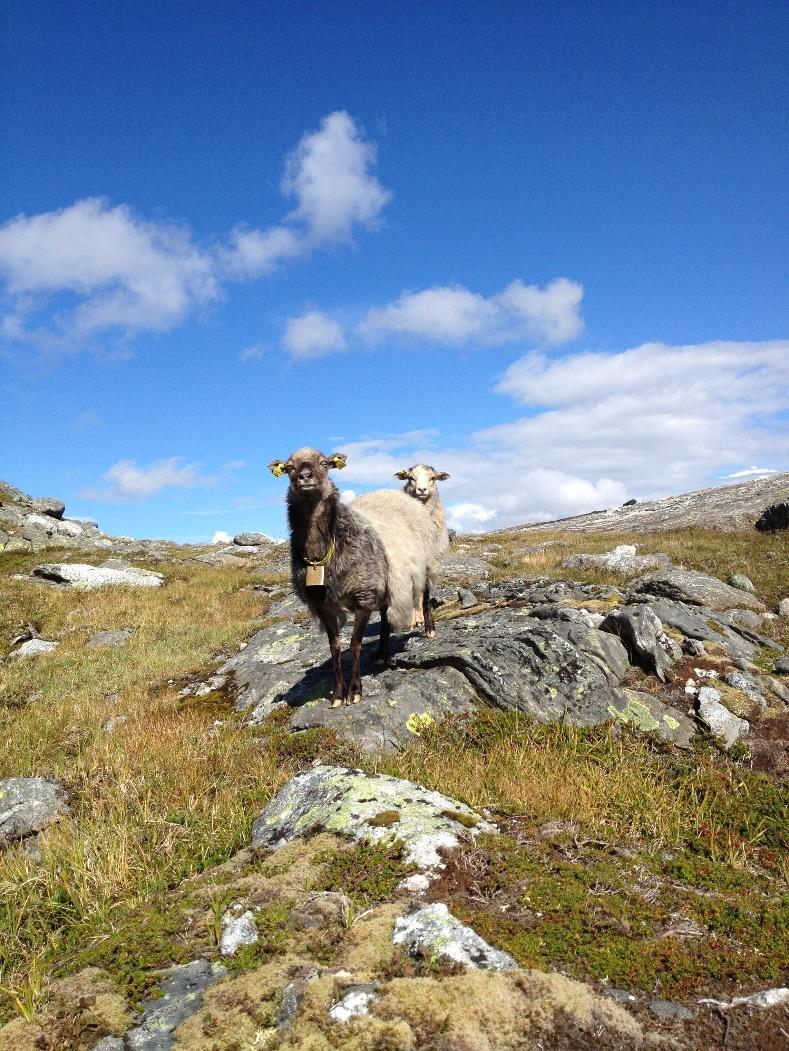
373 554
420 483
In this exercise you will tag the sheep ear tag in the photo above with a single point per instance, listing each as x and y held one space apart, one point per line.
315 576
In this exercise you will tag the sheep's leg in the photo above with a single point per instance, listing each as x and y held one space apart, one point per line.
359 624
330 623
382 656
417 618
427 611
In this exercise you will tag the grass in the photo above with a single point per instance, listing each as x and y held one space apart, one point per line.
172 792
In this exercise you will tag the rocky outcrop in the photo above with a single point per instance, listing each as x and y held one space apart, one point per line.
85 578
433 933
31 525
28 805
698 589
622 559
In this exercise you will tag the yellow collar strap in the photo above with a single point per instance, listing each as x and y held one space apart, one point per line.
325 560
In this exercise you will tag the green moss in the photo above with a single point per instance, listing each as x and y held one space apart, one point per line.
385 819
765 658
467 820
367 874
274 937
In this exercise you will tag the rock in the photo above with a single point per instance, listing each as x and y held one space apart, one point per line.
739 680
238 928
739 580
642 633
115 637
355 1002
651 715
49 505
181 996
33 648
774 518
669 1012
252 539
466 598
718 719
85 578
686 585
88 523
783 608
782 666
370 808
433 933
28 805
629 503
765 998
622 559
693 647
778 688
465 567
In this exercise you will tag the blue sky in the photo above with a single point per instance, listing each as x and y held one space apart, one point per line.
542 246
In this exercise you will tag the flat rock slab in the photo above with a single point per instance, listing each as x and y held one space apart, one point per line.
686 585
33 648
85 578
369 808
622 559
114 638
28 805
433 933
722 724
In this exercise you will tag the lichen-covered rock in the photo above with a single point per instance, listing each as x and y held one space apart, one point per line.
28 805
355 1002
238 928
33 648
114 638
724 726
642 633
353 804
739 580
85 578
433 933
622 559
686 585
49 505
252 539
650 715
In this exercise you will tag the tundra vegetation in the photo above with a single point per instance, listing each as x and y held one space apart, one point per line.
621 862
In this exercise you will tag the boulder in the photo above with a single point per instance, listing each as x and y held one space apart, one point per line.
739 580
782 666
650 715
33 648
238 928
85 578
370 808
434 934
115 637
686 585
724 726
49 505
28 805
252 539
354 1003
622 559
783 608
642 633
774 518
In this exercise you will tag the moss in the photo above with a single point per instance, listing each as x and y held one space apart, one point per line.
274 937
385 819
367 874
467 820
765 658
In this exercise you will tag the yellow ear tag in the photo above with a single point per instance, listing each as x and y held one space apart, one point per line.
278 471
339 462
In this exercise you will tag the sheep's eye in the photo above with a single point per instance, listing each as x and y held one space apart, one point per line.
325 463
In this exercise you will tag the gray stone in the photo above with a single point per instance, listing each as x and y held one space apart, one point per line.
434 933
642 633
651 715
33 648
669 1012
465 567
28 805
783 608
49 505
778 688
252 539
181 997
782 666
722 724
693 647
764 998
85 578
238 928
686 585
370 808
622 559
115 637
739 580
739 680
466 599
354 1003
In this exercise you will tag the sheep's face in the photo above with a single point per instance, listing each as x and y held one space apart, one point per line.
308 471
420 480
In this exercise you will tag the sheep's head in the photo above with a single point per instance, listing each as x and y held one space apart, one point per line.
420 480
308 471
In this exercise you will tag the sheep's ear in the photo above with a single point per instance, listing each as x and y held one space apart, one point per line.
441 476
277 468
338 460
403 475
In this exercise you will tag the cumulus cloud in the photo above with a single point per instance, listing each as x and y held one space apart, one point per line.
647 422
127 481
312 335
753 472
221 537
453 314
330 176
94 267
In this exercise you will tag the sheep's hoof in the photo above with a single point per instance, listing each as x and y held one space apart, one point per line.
430 634
336 702
356 698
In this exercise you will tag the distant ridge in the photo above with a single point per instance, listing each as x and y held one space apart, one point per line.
721 507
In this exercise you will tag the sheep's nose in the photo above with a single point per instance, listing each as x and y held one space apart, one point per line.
421 492
305 474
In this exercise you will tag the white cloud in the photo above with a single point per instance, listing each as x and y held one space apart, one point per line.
456 315
127 481
330 175
254 352
348 495
94 267
648 422
312 335
753 472
221 537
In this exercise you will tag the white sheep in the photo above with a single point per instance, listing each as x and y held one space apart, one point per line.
420 483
